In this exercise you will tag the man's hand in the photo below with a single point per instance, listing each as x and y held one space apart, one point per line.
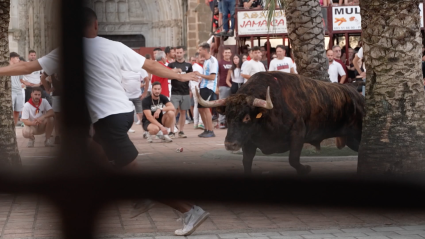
164 130
157 112
143 95
177 70
39 120
190 76
363 75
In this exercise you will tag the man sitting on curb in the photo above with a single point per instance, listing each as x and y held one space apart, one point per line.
158 112
37 116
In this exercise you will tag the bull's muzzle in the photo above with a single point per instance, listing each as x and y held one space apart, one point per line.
232 146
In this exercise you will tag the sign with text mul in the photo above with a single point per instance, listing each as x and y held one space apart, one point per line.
255 23
348 18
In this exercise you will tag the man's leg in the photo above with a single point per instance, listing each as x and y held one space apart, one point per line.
168 119
224 93
16 116
182 119
50 125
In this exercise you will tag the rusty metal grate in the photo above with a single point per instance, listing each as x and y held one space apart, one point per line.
79 186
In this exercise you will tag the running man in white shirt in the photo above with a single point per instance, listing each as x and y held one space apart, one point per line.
282 63
335 68
37 116
103 60
254 65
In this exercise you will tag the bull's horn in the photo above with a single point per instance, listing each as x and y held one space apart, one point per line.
264 103
209 104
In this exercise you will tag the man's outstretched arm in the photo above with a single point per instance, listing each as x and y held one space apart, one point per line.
23 68
157 69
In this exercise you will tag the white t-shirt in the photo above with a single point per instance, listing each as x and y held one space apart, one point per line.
295 68
200 69
252 67
283 65
334 70
29 111
360 55
210 67
131 82
104 60
236 76
33 77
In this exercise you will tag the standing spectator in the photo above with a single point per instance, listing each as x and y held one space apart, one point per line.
253 4
155 51
337 57
180 91
234 74
228 7
360 67
170 54
17 97
132 82
335 69
33 79
147 82
351 70
207 87
192 60
254 65
54 86
264 57
160 57
37 116
282 63
198 67
244 57
224 66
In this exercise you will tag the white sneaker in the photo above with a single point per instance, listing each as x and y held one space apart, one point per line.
49 143
192 220
141 207
149 138
138 122
187 122
145 135
31 143
167 139
132 131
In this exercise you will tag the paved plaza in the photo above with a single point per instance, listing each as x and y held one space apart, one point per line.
31 216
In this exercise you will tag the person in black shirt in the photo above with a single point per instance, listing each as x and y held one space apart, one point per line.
180 91
157 113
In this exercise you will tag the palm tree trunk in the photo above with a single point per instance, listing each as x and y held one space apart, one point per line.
9 154
305 31
393 137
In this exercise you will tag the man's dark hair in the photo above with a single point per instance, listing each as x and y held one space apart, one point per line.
13 54
36 89
249 50
156 83
32 51
21 58
181 47
256 48
148 56
196 54
205 46
89 17
281 47
167 50
157 49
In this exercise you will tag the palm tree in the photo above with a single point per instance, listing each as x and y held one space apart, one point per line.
8 145
393 137
305 31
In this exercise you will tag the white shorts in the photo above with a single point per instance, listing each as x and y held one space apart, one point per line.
56 104
17 101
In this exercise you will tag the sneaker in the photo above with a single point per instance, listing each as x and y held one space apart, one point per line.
167 139
203 133
214 117
138 122
172 135
192 220
223 126
49 143
57 140
141 207
149 137
31 143
201 126
230 33
209 134
187 122
145 135
182 135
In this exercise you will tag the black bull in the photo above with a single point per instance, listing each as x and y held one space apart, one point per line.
299 110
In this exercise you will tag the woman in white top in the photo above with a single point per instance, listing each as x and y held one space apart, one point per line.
235 75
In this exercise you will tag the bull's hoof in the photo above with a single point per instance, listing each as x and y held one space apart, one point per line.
304 170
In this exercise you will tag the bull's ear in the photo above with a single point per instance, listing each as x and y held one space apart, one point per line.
221 110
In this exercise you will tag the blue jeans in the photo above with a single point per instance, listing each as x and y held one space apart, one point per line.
228 7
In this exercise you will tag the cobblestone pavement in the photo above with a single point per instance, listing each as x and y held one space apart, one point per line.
30 216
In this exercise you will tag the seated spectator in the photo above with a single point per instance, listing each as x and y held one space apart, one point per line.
253 4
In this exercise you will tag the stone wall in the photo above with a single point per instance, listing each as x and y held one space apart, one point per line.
198 25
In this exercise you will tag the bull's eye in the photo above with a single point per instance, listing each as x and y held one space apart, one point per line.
246 119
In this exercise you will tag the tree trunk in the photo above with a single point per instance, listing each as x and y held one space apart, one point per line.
9 154
305 30
393 137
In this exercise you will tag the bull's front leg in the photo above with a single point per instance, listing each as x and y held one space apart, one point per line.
296 145
249 150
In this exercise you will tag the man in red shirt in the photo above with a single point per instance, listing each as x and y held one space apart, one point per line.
160 57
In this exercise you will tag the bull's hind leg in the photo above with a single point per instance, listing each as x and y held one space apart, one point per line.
249 150
296 145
